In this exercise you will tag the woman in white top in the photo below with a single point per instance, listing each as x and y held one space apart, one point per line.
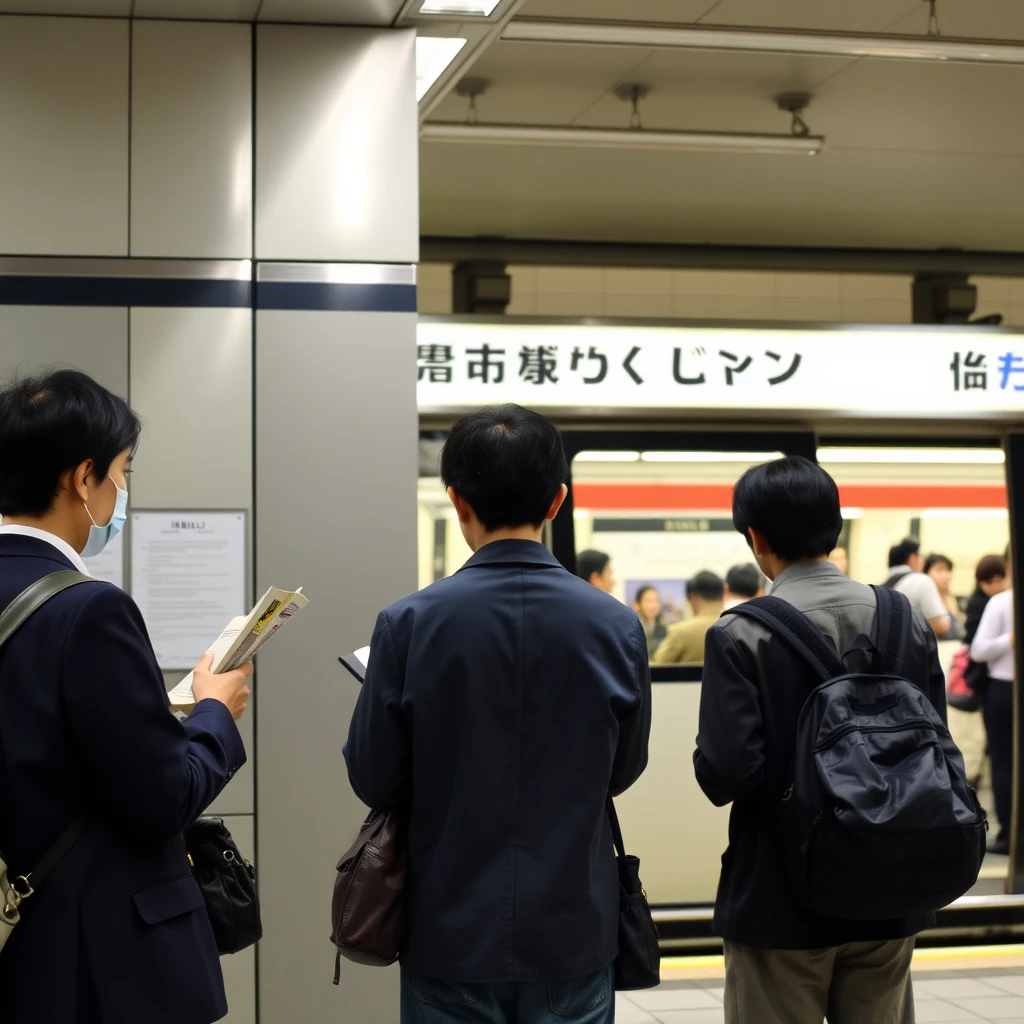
993 645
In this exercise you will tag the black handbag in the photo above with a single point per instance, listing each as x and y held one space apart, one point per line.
228 884
638 964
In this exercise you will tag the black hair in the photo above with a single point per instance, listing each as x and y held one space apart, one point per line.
706 585
989 568
933 560
899 553
744 580
590 561
507 463
50 424
641 591
794 503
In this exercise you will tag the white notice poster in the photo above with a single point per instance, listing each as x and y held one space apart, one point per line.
188 578
108 565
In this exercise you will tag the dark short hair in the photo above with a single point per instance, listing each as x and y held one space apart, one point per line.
590 561
794 503
935 559
507 463
899 553
50 424
645 589
706 585
990 567
744 580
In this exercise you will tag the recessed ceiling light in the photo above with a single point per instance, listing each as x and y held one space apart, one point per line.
433 55
472 8
608 457
965 513
756 457
852 513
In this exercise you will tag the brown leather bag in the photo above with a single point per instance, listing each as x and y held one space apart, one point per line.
368 912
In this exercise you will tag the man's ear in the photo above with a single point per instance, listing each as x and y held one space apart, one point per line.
464 512
563 493
758 542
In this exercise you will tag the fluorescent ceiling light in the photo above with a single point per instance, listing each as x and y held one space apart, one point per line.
756 457
624 138
931 456
965 513
473 8
830 44
433 55
852 513
607 457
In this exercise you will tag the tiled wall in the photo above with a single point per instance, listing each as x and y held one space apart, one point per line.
716 295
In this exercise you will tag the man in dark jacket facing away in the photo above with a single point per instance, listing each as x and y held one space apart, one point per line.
785 964
503 706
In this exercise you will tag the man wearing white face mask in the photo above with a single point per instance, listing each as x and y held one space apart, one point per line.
97 778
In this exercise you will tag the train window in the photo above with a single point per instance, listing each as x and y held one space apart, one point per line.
664 521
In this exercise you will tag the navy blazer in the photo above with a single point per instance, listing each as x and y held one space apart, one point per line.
119 933
504 704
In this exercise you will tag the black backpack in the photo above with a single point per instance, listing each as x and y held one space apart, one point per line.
878 820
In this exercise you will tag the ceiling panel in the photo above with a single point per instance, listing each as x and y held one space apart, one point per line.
332 12
838 199
667 11
830 15
210 10
103 8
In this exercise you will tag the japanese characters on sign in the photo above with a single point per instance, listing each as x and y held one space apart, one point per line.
601 366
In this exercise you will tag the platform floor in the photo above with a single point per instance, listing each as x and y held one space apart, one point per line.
973 984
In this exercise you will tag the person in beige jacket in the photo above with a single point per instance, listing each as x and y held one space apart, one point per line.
684 644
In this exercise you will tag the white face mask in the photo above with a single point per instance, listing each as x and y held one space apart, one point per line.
100 536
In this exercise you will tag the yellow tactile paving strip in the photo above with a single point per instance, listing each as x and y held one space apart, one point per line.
692 968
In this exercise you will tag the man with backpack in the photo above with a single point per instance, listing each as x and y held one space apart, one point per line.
851 820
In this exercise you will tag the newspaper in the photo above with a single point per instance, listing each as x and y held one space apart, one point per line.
243 637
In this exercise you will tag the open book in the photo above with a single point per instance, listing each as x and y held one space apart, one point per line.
243 637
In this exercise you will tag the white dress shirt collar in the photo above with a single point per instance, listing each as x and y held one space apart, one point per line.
48 538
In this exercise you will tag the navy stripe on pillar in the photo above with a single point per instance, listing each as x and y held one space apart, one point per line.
295 295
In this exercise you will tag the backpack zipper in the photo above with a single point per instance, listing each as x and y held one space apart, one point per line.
850 728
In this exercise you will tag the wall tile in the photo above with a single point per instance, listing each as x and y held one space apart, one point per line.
994 290
692 307
639 305
1017 289
64 125
821 310
629 281
819 286
748 283
742 307
191 139
1016 316
434 277
691 282
569 304
875 311
191 382
337 145
433 302
90 339
584 280
876 286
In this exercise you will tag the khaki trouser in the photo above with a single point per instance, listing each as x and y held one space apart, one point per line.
968 731
860 983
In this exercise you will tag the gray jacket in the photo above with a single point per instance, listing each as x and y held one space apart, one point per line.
753 689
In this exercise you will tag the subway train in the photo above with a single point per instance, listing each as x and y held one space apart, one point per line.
921 427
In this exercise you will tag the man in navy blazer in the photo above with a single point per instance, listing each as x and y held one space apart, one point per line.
502 706
119 933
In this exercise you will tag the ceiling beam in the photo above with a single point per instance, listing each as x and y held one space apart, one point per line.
541 252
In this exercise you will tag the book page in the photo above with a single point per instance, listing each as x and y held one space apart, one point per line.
243 637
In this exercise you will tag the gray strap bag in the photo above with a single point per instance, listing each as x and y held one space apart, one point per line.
14 890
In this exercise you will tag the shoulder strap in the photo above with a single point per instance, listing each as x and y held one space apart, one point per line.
892 624
891 580
620 848
788 622
30 600
14 616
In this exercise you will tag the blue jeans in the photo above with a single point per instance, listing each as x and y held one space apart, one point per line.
588 1000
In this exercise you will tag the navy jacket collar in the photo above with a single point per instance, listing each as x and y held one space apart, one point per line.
16 546
513 552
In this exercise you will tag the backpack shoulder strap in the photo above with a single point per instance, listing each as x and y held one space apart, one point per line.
613 819
30 600
891 629
788 622
14 616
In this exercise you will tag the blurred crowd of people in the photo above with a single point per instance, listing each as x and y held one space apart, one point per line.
981 622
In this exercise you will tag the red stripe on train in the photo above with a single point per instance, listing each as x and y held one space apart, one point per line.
705 497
